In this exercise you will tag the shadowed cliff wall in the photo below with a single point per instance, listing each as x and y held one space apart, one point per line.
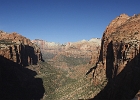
119 59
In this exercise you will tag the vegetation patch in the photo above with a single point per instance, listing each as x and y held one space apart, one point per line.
74 61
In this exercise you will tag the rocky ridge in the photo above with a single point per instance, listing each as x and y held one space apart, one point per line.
119 59
19 63
19 49
82 48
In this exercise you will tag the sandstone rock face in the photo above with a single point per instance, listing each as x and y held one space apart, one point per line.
119 60
19 49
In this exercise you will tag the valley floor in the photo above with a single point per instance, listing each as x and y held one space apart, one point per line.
67 85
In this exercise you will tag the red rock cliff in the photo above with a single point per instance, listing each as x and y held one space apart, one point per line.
119 60
19 49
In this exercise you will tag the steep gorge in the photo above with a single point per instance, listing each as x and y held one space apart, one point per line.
24 76
65 78
115 73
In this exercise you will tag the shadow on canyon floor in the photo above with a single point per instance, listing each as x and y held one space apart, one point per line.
18 82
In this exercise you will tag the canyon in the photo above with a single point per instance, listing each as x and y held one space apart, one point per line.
95 69
84 49
53 69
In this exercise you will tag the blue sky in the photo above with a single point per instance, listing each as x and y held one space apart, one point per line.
62 20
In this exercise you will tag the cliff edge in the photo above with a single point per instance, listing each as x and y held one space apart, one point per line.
119 60
19 49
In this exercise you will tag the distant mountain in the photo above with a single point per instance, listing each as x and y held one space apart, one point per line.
81 48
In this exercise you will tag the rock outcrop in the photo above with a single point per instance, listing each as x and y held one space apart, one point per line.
17 81
19 49
119 60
